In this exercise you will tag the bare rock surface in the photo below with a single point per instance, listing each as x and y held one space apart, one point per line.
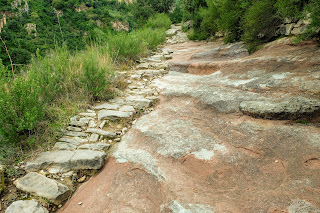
44 187
222 138
26 206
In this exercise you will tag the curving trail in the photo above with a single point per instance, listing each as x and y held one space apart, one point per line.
222 138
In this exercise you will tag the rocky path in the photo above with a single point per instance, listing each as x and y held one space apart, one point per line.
53 175
231 132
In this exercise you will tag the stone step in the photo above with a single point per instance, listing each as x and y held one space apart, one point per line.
112 115
26 206
101 132
138 101
42 186
63 161
75 134
107 106
95 146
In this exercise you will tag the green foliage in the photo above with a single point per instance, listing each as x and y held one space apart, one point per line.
129 46
253 21
260 21
159 20
291 8
96 79
21 106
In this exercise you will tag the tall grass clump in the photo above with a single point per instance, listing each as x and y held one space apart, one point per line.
37 103
123 46
159 20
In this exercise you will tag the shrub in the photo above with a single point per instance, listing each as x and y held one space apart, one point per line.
291 8
96 78
260 22
21 105
160 20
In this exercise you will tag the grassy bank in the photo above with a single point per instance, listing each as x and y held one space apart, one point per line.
38 102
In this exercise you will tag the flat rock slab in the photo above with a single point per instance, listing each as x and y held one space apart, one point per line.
138 101
63 161
75 134
78 123
290 108
112 115
107 106
64 146
127 109
95 146
101 132
88 114
143 66
44 187
26 206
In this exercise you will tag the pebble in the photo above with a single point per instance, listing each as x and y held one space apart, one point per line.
80 180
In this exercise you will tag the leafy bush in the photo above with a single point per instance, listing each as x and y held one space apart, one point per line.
21 106
260 21
96 78
159 20
291 8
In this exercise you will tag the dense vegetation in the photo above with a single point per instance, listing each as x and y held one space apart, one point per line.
67 63
253 21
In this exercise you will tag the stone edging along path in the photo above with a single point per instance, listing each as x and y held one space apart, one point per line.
81 152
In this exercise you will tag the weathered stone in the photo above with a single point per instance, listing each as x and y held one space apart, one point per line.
127 109
44 187
95 146
137 77
299 30
101 132
2 173
138 101
75 134
103 123
107 106
143 66
85 120
157 57
289 28
26 206
75 129
302 206
80 140
64 146
88 114
94 138
92 124
289 108
74 118
63 161
112 114
70 140
167 57
78 123
171 32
